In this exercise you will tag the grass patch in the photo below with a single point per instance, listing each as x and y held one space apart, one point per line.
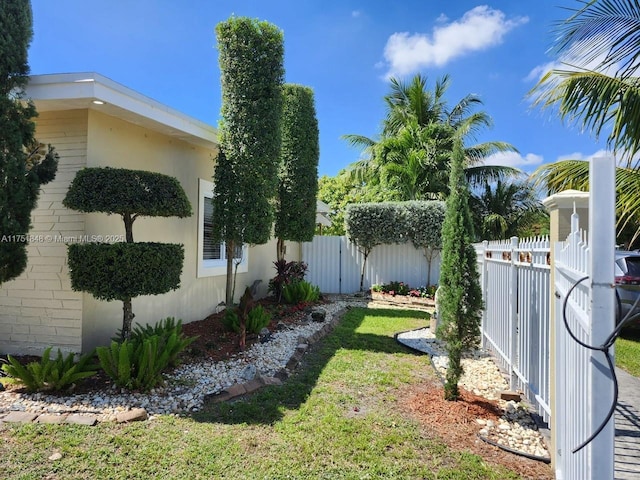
335 419
628 352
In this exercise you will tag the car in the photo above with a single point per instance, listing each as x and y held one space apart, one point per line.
627 279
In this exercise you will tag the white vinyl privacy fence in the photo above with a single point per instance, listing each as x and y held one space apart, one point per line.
335 265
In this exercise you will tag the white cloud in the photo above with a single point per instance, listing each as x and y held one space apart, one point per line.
478 29
539 71
621 159
514 159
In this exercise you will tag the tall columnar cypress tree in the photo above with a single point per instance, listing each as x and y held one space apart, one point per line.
24 163
298 189
460 296
251 60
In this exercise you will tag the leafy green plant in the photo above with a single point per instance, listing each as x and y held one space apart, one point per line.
298 174
301 291
50 374
286 273
257 319
164 329
230 320
137 364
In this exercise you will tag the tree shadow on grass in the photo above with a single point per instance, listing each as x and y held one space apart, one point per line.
268 404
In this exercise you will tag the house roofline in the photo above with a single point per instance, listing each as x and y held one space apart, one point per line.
68 91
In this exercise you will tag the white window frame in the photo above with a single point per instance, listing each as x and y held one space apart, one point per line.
210 268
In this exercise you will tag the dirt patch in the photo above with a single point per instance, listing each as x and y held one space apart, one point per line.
455 424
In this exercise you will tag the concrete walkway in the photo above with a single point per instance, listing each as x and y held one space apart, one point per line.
627 447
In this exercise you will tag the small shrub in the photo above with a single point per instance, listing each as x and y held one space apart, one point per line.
164 329
231 321
401 288
257 319
286 273
50 374
139 365
301 291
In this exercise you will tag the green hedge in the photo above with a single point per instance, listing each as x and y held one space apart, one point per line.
119 190
120 271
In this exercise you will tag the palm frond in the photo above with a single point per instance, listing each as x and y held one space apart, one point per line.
359 141
596 101
604 31
478 152
485 174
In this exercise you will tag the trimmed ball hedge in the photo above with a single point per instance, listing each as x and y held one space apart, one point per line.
120 271
119 190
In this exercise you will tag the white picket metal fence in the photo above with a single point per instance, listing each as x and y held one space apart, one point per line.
584 312
515 276
335 265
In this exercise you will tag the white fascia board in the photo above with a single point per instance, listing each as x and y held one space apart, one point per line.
79 90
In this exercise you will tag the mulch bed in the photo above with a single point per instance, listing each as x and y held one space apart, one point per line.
455 424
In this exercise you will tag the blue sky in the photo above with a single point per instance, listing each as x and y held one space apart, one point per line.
345 50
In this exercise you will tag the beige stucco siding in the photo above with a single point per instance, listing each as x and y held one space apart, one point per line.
39 308
116 143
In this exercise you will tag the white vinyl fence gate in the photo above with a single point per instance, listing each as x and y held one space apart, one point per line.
335 265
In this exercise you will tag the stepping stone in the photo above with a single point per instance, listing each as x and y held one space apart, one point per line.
271 381
222 396
50 418
253 385
78 419
236 390
20 417
133 415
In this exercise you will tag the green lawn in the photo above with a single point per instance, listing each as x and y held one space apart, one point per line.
628 352
336 419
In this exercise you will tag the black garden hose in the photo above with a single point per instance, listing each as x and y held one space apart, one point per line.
515 452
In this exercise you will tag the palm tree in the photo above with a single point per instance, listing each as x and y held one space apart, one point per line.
600 38
417 138
604 33
505 209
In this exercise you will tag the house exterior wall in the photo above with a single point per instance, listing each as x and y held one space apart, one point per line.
39 308
119 144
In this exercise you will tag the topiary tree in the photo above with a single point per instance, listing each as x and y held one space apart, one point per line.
459 293
424 228
124 270
246 177
371 224
298 189
25 164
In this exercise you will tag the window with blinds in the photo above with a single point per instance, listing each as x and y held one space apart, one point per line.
212 250
211 254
